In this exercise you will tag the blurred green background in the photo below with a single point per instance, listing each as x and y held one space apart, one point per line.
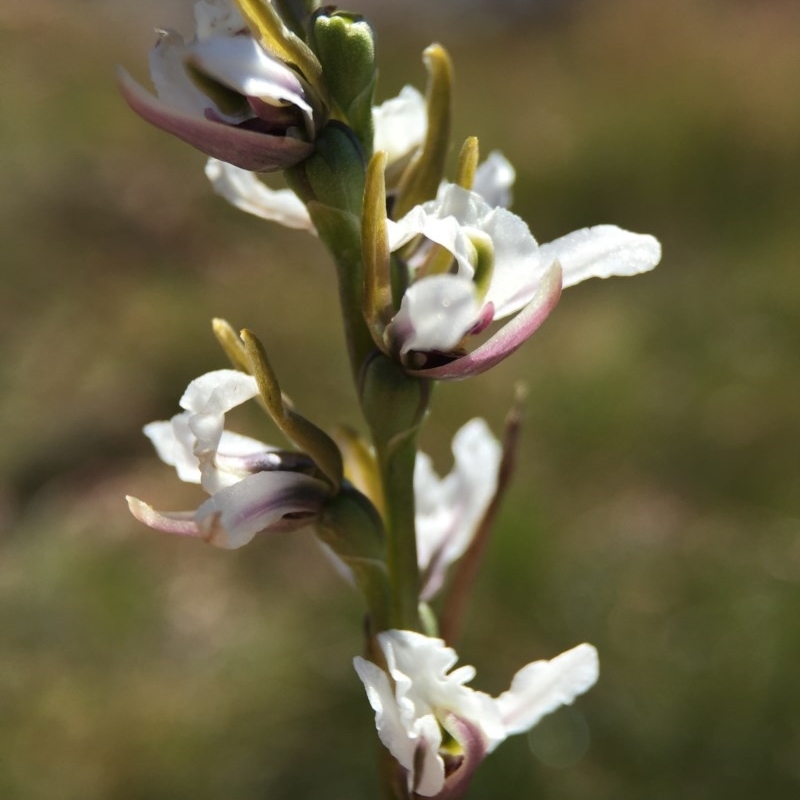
655 509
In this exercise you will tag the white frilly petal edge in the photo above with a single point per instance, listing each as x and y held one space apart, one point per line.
392 731
543 686
246 192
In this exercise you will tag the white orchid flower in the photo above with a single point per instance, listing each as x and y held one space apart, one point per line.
450 509
493 269
419 704
253 487
226 95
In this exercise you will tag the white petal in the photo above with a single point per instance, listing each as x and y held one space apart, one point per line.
174 443
243 65
168 73
452 216
207 399
396 737
542 686
602 252
435 314
432 513
451 509
400 124
434 223
518 269
474 480
235 444
217 18
218 392
428 779
494 179
244 190
426 662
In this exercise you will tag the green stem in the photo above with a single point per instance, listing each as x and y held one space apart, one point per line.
341 232
396 460
394 406
359 340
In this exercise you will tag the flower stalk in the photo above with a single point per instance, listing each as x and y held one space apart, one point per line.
437 280
394 406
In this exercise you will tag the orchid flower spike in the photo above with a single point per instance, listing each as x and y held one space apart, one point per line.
253 487
245 89
449 510
469 264
439 729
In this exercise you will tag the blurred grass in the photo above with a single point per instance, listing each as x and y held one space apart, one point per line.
655 510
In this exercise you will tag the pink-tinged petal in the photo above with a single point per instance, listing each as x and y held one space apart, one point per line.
505 341
543 686
181 523
603 251
244 190
460 769
260 502
251 150
435 314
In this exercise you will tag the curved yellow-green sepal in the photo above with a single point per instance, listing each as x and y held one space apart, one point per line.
375 251
231 344
279 41
307 436
422 177
468 163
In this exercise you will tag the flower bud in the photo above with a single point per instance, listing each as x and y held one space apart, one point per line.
345 45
